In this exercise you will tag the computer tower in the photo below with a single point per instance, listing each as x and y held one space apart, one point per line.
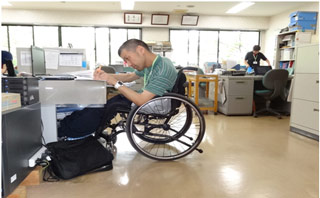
28 87
21 139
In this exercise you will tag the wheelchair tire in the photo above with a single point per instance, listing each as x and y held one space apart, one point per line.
178 134
157 136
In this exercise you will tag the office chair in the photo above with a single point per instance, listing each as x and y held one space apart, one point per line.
275 83
108 69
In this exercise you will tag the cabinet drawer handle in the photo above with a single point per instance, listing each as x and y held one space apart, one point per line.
316 110
239 98
240 82
317 81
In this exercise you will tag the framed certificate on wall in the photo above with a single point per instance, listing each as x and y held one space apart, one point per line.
189 20
159 19
133 18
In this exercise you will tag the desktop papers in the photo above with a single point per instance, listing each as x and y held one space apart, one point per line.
52 59
25 58
70 60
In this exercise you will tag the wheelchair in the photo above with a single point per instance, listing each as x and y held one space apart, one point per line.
168 127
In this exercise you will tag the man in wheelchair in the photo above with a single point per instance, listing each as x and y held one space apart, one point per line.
163 124
159 76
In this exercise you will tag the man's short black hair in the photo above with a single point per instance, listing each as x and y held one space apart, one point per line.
256 48
132 44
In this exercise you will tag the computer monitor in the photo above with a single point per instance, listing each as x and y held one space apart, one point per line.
261 70
38 61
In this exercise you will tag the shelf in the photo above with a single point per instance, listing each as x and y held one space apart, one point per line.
291 32
287 60
287 48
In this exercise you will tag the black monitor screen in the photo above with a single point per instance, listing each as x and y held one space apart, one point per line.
38 61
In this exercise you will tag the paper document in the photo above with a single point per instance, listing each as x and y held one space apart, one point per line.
25 58
70 60
52 59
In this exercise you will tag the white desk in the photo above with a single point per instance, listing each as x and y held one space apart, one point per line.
53 92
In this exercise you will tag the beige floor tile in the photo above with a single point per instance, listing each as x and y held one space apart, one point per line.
244 157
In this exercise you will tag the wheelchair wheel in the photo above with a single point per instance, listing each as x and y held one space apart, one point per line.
181 115
162 130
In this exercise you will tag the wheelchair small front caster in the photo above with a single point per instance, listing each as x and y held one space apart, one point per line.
114 139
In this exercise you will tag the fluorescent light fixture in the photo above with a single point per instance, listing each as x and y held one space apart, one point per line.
239 7
5 3
127 4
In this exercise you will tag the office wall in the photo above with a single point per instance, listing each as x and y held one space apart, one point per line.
281 21
149 32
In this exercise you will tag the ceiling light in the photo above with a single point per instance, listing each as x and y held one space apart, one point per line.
5 3
239 7
127 4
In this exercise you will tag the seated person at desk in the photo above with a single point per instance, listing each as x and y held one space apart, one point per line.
159 77
252 59
6 64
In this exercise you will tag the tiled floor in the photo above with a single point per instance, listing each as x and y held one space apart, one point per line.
244 157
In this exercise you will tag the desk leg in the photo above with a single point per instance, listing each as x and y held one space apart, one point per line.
196 92
189 88
207 89
49 120
216 95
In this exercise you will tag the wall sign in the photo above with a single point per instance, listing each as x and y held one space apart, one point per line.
133 18
189 20
160 19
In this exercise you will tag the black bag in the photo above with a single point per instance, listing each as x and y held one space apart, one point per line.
73 158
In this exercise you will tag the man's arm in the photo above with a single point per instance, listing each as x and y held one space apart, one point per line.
136 98
246 63
127 77
268 62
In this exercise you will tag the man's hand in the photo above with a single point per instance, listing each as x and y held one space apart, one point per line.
101 75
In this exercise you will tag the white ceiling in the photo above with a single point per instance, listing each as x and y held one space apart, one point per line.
169 7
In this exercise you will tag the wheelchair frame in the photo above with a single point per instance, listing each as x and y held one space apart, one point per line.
159 133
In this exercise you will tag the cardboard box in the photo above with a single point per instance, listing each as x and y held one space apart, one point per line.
304 25
297 16
10 101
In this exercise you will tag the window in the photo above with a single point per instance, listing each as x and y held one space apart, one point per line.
117 38
184 51
208 51
101 43
234 45
134 34
4 38
80 37
20 36
194 48
46 36
102 46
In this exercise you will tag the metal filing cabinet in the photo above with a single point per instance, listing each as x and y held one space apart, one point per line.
21 139
305 100
237 97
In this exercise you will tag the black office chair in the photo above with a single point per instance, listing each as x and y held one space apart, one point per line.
275 83
202 85
108 69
